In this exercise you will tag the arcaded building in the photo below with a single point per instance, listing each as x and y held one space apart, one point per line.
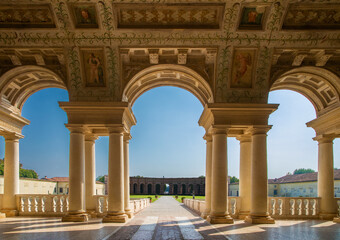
229 54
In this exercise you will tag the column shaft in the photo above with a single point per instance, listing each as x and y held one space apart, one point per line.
11 176
219 180
208 165
328 207
90 173
127 177
76 212
259 180
116 212
245 175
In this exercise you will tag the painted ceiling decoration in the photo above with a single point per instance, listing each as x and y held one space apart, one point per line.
239 47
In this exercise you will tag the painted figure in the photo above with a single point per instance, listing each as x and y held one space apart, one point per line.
242 62
96 70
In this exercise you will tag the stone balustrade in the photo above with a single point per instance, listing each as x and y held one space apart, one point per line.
199 205
278 207
42 204
57 205
136 204
294 207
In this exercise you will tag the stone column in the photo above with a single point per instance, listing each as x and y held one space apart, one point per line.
259 179
128 211
328 206
11 175
245 175
76 212
219 180
116 211
208 163
90 173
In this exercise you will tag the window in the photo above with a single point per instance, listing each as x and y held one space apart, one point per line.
275 192
61 190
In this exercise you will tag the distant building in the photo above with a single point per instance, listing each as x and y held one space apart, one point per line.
299 185
55 185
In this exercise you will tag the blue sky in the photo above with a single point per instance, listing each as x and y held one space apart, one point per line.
167 140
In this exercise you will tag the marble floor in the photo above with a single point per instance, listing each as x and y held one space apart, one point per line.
164 219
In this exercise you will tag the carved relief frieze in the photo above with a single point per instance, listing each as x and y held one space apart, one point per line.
312 16
169 16
26 16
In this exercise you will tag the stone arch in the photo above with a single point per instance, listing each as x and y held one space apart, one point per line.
168 75
135 188
19 83
175 189
320 86
149 188
141 188
158 189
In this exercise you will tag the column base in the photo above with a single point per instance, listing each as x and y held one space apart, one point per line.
243 214
327 216
10 213
92 213
336 220
129 213
253 219
204 215
220 219
2 215
75 217
122 218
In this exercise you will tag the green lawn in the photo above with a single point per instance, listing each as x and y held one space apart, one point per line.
179 199
144 196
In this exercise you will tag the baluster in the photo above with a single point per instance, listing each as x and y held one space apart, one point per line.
62 202
338 204
22 204
41 205
54 204
313 207
279 209
292 207
29 205
106 204
306 207
272 206
35 204
299 207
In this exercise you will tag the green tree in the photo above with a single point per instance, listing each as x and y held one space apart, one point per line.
303 170
101 179
234 179
27 173
201 176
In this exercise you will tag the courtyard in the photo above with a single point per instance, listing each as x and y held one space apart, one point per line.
164 219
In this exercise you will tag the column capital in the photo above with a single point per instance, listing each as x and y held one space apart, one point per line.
75 128
325 138
12 136
116 129
207 137
127 137
219 130
244 138
90 137
259 130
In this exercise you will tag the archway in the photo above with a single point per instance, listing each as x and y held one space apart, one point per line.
135 188
149 188
321 87
184 191
175 189
158 188
141 188
168 75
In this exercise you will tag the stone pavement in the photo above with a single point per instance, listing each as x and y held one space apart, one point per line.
167 219
164 219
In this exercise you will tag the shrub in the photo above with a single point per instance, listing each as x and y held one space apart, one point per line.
183 199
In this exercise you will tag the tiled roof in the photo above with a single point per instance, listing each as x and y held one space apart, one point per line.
58 179
306 177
